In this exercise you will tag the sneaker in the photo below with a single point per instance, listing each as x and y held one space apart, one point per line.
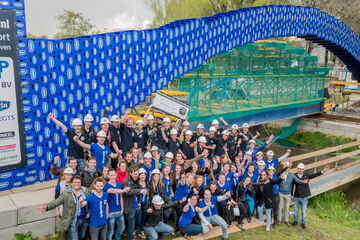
303 226
142 234
249 220
267 229
287 224
258 221
294 224
278 222
240 226
274 225
187 237
134 233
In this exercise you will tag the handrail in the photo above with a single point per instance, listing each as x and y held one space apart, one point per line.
328 161
322 151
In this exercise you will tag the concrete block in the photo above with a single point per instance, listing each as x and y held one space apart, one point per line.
8 213
37 228
28 203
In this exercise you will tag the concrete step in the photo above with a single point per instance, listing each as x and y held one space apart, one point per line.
8 213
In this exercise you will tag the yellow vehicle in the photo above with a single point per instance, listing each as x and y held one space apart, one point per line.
139 111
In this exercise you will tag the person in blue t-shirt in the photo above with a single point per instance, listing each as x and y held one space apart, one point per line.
188 213
115 201
98 150
210 216
271 161
99 210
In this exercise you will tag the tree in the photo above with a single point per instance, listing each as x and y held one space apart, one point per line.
74 24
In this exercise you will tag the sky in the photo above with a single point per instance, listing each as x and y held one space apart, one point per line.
110 14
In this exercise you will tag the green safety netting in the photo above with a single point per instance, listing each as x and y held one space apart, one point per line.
255 78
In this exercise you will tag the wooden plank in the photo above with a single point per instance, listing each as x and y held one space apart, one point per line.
329 160
334 184
323 151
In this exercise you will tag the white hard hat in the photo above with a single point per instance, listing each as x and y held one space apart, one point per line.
115 118
142 170
169 155
261 163
68 170
235 126
200 126
150 117
139 122
101 134
186 123
271 168
166 120
173 131
214 122
270 153
188 132
77 122
245 125
248 152
88 118
225 132
260 152
212 129
286 163
147 155
154 148
157 200
155 171
202 139
301 165
252 141
104 120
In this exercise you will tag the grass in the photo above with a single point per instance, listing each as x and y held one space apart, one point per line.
329 217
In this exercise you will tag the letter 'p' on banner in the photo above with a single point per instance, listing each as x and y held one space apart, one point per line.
12 129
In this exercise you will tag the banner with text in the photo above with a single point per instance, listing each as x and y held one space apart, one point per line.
12 131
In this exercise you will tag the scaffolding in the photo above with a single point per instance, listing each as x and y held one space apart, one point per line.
257 77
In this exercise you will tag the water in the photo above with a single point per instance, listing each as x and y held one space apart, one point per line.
351 190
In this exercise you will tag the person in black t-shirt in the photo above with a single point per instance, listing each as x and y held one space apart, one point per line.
127 133
141 136
234 142
210 140
186 145
246 136
222 144
88 130
215 123
163 149
198 133
173 144
74 149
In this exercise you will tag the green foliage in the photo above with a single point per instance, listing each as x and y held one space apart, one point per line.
23 236
332 206
74 24
318 140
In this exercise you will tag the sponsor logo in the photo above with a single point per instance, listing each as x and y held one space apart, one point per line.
4 185
4 105
5 175
3 65
5 135
30 179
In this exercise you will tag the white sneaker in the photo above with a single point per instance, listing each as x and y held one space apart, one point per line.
258 221
267 229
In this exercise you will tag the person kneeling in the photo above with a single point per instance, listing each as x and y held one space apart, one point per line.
210 216
154 227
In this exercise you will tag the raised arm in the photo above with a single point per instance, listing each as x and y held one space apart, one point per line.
147 114
106 110
164 135
283 157
201 210
127 112
82 144
57 122
224 122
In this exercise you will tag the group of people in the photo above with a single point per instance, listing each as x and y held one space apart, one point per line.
126 177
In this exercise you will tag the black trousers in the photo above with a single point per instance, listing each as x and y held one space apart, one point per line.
276 206
243 207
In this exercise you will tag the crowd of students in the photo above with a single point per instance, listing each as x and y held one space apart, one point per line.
127 177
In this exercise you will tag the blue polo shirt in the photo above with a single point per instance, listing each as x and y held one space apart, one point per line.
225 188
100 153
181 192
187 217
114 199
97 208
211 211
274 162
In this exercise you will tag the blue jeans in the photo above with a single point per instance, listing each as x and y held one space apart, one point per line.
191 229
130 220
98 233
78 230
268 217
140 217
120 226
217 220
260 210
162 228
162 152
303 202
